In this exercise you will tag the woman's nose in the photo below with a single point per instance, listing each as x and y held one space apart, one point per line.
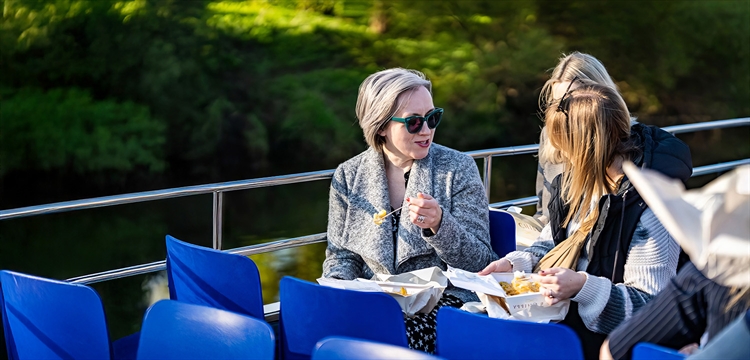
424 130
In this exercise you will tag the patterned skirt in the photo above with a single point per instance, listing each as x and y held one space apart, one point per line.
421 329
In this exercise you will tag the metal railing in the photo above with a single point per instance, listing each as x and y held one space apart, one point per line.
218 190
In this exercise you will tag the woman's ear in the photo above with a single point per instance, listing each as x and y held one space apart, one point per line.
382 131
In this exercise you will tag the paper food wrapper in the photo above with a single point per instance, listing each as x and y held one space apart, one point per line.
528 228
423 288
527 307
710 223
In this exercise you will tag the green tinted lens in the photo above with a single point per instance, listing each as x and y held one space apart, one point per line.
433 118
414 124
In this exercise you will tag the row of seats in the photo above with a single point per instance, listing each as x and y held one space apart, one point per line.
216 311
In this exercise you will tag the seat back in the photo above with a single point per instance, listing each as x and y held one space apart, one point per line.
310 312
177 330
643 351
337 347
5 346
462 335
203 276
49 319
502 232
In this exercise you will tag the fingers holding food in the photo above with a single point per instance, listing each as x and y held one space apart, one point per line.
502 265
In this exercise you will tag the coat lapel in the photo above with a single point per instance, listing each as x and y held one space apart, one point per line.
410 242
369 194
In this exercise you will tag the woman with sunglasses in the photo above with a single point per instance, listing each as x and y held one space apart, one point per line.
434 195
603 248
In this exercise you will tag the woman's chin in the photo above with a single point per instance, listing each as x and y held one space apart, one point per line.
421 153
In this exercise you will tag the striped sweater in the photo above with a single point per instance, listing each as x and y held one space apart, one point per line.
651 262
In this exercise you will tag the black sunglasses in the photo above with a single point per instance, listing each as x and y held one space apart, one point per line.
414 123
562 105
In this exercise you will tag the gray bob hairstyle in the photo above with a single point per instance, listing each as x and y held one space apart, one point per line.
380 97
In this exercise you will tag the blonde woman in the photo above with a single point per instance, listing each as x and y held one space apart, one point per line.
603 248
575 65
437 200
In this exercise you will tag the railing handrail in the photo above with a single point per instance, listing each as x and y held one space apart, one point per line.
217 189
132 198
321 237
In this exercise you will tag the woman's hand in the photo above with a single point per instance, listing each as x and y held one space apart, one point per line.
560 284
502 265
425 212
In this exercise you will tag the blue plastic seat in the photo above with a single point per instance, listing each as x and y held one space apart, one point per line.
462 335
310 312
177 330
502 232
337 347
203 276
644 351
50 319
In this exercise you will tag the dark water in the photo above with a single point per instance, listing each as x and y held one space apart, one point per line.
66 245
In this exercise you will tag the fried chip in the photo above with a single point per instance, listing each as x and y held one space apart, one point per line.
521 284
378 217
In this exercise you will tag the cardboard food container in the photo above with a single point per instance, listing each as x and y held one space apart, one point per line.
423 287
526 307
531 306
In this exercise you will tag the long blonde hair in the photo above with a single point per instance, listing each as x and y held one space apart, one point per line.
590 126
574 65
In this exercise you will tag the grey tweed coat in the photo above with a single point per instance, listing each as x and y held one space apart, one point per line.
357 247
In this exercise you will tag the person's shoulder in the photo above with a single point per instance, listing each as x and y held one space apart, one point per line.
351 167
356 161
445 155
657 134
664 152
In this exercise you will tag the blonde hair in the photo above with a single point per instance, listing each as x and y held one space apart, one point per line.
595 131
380 97
575 65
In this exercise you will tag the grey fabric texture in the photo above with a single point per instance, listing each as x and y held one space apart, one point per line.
546 172
358 248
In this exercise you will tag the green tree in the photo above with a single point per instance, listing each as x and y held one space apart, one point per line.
65 130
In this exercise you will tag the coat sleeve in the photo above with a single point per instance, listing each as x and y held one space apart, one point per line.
674 318
340 263
463 240
528 258
651 263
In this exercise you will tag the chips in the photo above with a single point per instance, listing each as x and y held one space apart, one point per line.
521 284
401 292
378 217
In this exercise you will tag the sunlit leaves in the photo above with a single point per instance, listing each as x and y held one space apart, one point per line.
66 129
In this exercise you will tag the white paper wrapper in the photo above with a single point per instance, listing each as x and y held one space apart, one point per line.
424 288
526 307
710 223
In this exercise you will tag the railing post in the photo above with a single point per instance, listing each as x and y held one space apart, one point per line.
218 201
487 172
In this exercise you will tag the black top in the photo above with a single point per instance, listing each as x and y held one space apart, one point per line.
394 223
690 305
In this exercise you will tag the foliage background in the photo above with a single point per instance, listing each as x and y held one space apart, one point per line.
105 97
